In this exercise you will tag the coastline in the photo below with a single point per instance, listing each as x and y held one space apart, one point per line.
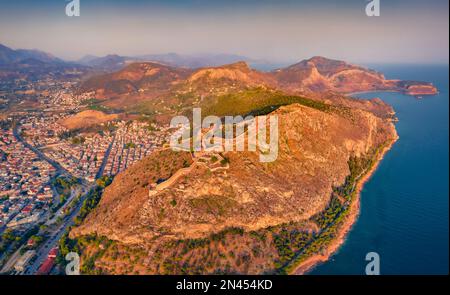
352 94
354 210
410 93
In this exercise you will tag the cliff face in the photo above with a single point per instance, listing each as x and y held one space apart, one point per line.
320 74
314 150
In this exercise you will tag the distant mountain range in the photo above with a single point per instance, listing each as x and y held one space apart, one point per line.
115 62
35 65
107 63
9 56
314 75
317 74
24 58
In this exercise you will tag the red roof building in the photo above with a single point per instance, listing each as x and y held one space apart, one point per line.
47 266
27 209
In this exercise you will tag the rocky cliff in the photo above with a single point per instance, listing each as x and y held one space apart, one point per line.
232 190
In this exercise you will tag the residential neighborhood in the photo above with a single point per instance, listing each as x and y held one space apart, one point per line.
46 169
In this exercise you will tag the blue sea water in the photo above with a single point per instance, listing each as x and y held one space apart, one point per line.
404 213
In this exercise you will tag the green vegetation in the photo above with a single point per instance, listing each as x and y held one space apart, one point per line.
331 219
225 161
288 242
10 240
78 140
95 105
37 240
8 236
68 134
104 181
90 101
92 199
89 204
67 245
257 101
99 107
63 186
129 145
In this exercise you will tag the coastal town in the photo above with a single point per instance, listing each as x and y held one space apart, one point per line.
46 169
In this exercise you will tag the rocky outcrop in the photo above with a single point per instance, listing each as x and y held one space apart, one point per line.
322 74
417 88
314 148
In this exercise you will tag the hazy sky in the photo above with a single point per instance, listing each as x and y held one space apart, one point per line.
408 31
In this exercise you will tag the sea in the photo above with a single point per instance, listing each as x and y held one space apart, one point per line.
404 214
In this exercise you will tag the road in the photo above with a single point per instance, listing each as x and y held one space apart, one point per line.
52 241
68 220
60 169
11 261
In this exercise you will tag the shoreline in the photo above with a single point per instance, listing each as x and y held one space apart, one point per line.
352 94
354 211
415 94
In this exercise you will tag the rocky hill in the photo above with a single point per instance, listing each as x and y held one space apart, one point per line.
222 203
134 78
319 74
209 212
86 119
139 86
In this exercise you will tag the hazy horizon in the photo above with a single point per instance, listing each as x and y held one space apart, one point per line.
278 32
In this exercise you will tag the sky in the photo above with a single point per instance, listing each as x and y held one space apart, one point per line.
407 31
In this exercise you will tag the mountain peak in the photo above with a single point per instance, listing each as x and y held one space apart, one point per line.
238 71
320 59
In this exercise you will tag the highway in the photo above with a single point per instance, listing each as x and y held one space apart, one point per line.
55 236
68 220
